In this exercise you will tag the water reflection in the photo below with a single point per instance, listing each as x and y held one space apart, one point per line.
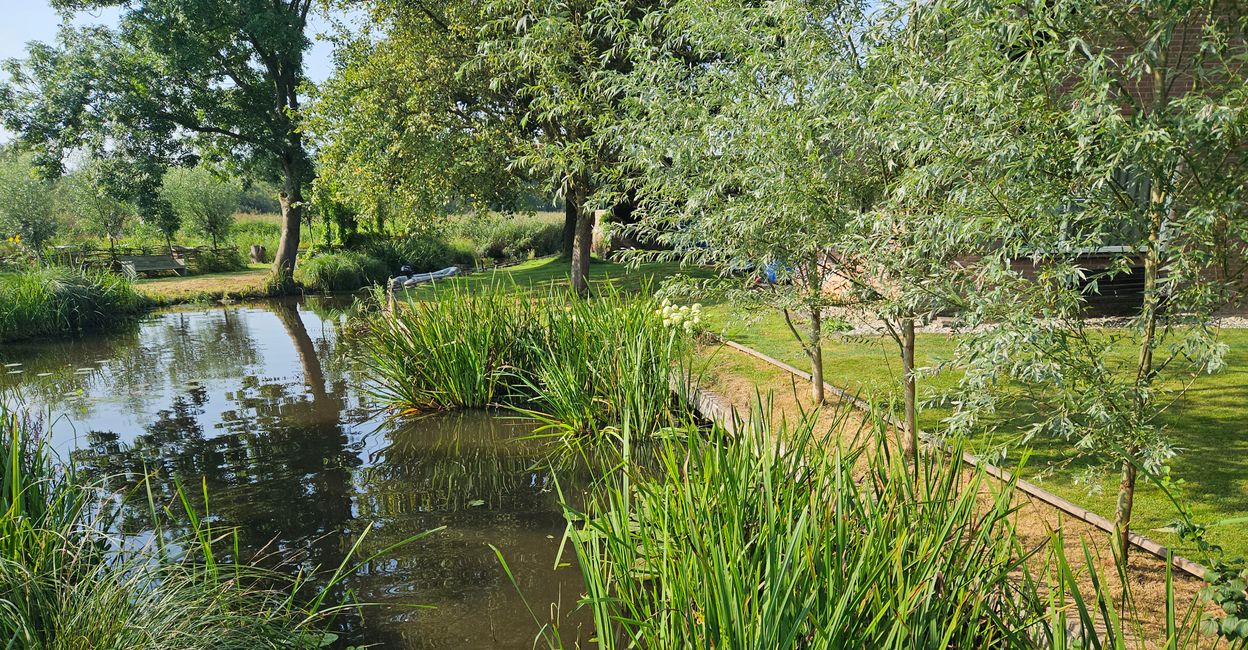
254 402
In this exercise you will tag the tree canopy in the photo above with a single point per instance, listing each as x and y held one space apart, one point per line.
177 80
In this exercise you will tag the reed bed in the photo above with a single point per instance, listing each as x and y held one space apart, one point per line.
580 366
749 542
60 301
69 580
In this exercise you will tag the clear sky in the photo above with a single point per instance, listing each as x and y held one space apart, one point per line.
22 21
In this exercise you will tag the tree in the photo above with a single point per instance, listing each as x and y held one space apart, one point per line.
93 198
402 123
1084 127
26 208
202 201
751 159
563 57
218 77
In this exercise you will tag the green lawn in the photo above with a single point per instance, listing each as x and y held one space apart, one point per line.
1209 425
541 274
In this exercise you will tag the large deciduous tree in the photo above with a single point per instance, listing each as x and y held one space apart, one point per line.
220 78
401 123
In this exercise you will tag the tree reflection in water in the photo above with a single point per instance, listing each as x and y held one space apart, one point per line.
252 402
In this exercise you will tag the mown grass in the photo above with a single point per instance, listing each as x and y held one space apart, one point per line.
55 302
69 579
235 285
1206 424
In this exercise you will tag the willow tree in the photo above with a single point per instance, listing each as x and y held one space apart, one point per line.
1093 142
748 154
217 78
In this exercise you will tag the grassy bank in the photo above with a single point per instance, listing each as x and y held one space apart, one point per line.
1206 424
61 302
236 285
70 579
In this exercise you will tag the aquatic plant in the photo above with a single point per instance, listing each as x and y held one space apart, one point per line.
70 579
341 271
579 366
58 301
773 540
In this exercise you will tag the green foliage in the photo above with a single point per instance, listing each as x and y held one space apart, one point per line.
402 124
26 204
92 195
1067 130
218 261
59 301
203 202
506 237
580 366
768 539
342 271
423 254
69 579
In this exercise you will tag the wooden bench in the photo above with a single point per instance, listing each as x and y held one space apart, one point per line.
135 265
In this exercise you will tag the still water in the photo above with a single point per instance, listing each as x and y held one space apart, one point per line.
258 402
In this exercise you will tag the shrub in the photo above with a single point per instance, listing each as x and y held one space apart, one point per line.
423 254
218 261
342 271
55 301
502 237
206 204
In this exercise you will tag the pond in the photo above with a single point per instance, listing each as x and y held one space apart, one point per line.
257 402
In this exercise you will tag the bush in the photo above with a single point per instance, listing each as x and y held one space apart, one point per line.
57 301
423 254
342 271
501 237
218 261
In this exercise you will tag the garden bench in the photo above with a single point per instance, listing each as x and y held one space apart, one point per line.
134 265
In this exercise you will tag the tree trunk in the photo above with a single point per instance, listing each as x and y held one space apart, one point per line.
570 212
911 427
816 356
291 198
1122 516
1144 367
581 252
583 235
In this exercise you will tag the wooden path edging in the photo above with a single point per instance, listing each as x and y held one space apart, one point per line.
1031 489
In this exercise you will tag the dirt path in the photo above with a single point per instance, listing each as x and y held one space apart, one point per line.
747 383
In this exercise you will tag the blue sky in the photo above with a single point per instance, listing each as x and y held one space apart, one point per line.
22 21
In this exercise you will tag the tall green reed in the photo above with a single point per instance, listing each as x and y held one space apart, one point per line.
69 579
770 540
59 301
580 366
